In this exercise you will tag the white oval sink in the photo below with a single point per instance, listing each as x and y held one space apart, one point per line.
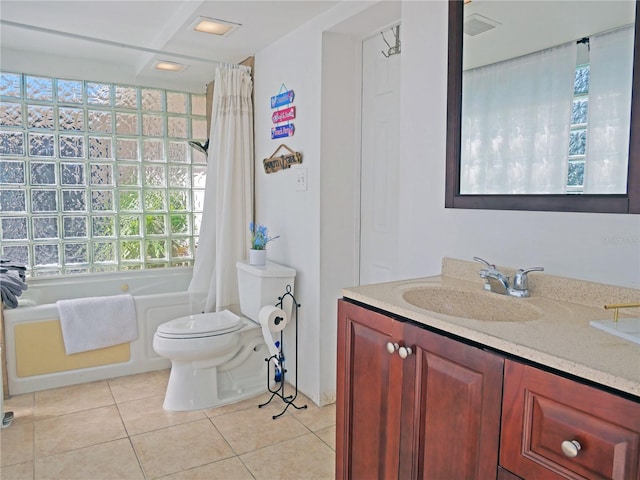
485 306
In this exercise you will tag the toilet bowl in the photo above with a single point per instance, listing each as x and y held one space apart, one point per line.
198 345
218 358
206 337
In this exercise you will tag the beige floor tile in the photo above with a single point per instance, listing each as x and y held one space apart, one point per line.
181 447
316 418
249 403
16 444
251 429
143 385
20 471
108 461
301 398
253 402
21 406
147 414
229 469
303 458
328 436
77 430
75 398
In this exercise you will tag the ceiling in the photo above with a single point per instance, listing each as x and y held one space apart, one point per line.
526 26
120 40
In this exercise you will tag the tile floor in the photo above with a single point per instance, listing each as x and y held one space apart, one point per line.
117 430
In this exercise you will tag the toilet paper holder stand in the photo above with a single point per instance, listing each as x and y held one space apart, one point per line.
280 360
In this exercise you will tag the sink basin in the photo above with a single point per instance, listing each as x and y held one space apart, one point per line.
481 305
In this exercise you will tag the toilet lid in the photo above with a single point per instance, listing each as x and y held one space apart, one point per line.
201 325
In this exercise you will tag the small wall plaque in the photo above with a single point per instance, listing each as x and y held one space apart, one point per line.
282 99
275 163
281 131
284 115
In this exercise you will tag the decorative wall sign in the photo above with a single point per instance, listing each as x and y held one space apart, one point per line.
274 164
281 131
284 115
282 98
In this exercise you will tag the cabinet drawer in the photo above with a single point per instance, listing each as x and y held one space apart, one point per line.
542 410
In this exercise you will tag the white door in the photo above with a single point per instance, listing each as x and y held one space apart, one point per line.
379 163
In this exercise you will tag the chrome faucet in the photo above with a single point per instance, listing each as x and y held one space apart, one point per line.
498 283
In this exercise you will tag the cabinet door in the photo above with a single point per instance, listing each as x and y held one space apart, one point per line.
542 410
368 395
451 410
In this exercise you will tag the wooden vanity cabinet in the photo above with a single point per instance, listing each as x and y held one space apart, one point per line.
542 410
446 411
434 414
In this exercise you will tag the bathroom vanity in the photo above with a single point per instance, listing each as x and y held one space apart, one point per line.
494 387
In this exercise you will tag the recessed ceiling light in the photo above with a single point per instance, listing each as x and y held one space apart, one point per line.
213 26
169 66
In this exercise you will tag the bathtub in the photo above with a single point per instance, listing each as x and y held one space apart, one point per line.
35 356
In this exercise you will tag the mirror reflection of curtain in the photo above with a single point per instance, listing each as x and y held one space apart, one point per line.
515 124
611 58
224 237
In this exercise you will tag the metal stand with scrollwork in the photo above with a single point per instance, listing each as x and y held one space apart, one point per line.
280 370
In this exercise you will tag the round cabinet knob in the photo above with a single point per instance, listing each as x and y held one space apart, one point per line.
392 347
571 448
404 352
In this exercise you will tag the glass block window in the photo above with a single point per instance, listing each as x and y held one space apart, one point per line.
97 176
578 133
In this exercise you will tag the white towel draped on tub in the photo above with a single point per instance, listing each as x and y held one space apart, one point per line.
97 322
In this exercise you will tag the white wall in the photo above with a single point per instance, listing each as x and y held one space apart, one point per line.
598 247
317 228
318 238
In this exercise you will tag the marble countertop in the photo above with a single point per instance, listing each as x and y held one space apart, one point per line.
558 336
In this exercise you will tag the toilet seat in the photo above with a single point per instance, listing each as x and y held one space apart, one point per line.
201 325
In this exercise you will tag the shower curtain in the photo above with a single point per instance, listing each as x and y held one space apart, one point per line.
610 88
228 200
515 128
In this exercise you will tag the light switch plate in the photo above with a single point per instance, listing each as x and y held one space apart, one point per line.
301 179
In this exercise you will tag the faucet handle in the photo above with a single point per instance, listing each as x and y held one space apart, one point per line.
491 266
521 280
486 272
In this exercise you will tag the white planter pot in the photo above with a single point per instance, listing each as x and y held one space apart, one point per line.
257 257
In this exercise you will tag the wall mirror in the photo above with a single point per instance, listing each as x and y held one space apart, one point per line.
540 106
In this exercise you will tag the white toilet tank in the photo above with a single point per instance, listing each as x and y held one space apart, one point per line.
261 285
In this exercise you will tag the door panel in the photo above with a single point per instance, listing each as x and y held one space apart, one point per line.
379 166
456 409
368 424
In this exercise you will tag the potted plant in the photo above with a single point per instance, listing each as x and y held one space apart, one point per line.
259 239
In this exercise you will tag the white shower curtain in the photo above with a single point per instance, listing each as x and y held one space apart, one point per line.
611 60
228 201
515 127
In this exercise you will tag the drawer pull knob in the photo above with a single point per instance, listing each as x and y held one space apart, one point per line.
571 448
404 352
392 347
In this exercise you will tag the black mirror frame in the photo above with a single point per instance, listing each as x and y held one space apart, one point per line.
623 203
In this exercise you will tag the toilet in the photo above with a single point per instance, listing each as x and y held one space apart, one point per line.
218 358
